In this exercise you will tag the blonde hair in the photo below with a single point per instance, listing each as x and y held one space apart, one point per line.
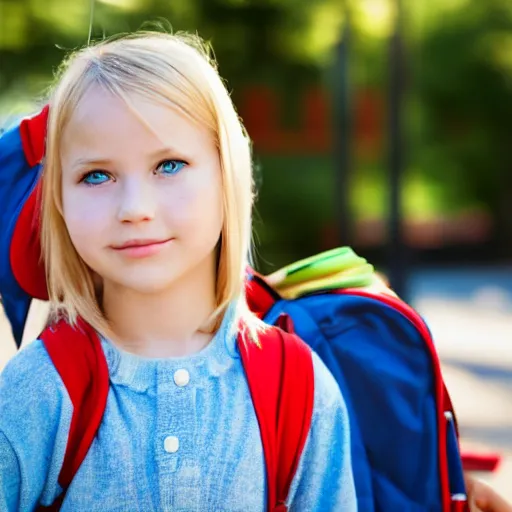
175 70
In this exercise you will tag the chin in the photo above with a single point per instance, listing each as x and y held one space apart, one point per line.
150 277
146 286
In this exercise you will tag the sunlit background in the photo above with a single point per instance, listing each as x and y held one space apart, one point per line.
381 124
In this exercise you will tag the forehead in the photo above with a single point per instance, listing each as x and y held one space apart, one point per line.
104 122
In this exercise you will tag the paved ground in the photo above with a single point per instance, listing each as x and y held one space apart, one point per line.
470 314
476 352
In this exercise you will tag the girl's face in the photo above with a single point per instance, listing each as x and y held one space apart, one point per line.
141 191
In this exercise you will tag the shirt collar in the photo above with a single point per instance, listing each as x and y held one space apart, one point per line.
141 373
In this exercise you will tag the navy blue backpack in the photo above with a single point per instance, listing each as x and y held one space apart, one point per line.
405 447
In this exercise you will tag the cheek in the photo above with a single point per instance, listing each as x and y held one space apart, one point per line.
85 219
196 208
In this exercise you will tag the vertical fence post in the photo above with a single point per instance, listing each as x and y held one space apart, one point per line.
343 137
397 250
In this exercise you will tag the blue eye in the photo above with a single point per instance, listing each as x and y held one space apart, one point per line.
95 178
170 167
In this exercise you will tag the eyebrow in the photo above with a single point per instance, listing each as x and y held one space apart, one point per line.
160 153
91 161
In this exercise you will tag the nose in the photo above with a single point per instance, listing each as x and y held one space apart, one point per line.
136 203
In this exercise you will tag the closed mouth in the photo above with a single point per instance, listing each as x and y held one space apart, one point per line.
132 244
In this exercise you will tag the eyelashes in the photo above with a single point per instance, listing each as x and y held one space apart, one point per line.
169 167
95 178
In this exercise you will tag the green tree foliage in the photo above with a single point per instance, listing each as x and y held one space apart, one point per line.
464 84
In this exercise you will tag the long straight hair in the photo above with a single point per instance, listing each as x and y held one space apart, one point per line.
172 70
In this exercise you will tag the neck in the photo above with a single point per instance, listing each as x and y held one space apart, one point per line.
167 323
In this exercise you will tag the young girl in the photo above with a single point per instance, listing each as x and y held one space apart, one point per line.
146 228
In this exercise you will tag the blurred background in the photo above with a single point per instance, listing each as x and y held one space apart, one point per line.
381 124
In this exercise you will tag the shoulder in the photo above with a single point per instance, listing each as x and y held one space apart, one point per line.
327 394
327 391
328 402
29 369
31 391
35 417
326 461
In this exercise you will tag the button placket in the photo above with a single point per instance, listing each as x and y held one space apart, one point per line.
176 422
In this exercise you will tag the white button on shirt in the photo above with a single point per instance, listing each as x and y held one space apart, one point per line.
171 444
181 377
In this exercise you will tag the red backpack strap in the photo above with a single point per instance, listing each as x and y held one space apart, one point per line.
279 372
259 294
79 359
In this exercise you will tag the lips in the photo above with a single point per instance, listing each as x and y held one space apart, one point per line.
141 248
139 243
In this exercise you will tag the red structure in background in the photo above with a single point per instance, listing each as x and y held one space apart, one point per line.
260 109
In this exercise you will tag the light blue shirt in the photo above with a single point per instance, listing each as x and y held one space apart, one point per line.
186 441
